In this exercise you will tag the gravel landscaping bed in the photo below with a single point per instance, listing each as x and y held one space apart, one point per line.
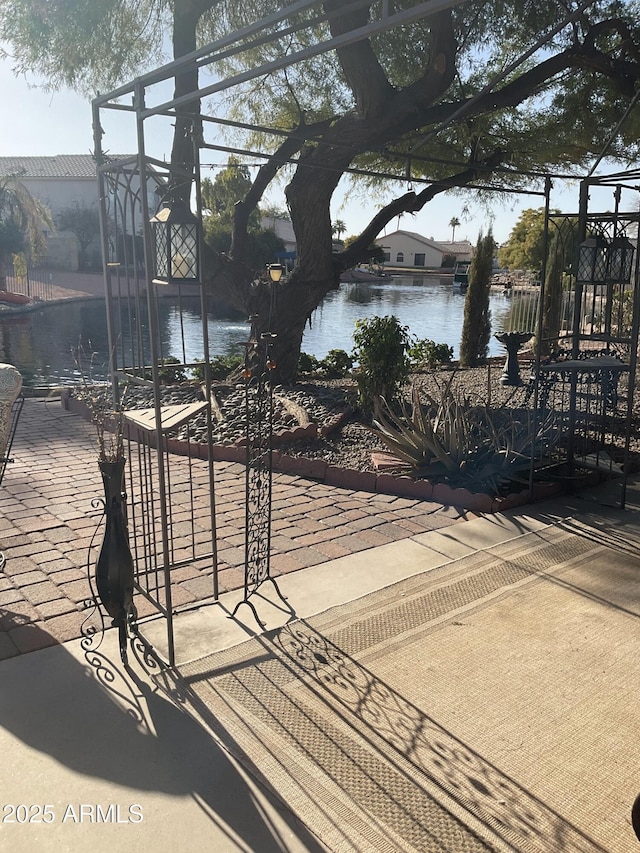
341 439
351 445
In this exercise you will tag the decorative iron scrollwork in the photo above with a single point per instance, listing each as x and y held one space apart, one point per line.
258 366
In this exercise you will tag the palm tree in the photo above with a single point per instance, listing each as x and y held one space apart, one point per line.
454 222
339 227
22 220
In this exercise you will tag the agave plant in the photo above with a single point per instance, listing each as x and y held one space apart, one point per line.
464 443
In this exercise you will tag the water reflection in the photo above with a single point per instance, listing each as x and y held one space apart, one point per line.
430 306
40 343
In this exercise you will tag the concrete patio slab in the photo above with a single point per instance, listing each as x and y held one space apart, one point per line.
480 533
89 764
495 692
206 628
125 760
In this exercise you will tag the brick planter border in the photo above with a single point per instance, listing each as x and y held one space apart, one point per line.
348 478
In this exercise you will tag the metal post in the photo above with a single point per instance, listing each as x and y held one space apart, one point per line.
197 140
153 337
577 318
258 476
104 238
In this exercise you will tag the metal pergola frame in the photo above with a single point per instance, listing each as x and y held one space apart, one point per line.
124 286
261 33
585 339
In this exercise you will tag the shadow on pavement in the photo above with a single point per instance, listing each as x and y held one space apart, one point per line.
98 722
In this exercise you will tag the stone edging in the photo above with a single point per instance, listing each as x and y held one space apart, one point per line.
348 478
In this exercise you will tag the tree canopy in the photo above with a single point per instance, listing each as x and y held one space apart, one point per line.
524 249
472 96
570 93
220 195
85 224
219 199
525 246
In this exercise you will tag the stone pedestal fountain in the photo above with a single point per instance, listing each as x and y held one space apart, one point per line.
512 341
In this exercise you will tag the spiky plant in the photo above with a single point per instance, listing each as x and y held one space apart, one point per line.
465 444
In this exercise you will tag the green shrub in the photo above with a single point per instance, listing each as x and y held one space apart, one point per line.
476 327
308 363
381 345
552 303
168 373
425 353
337 362
220 365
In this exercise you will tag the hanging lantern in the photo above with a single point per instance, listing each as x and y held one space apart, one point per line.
592 261
275 272
620 260
175 245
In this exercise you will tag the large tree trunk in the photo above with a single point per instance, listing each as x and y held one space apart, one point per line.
280 309
187 125
379 111
287 323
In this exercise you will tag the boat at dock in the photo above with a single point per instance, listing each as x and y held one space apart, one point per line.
356 275
461 275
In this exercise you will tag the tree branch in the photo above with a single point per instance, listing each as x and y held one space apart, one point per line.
441 70
185 20
410 202
625 73
364 74
243 209
613 25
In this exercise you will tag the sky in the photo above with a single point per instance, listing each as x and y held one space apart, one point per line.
44 124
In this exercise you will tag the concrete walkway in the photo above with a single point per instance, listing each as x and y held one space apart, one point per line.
97 757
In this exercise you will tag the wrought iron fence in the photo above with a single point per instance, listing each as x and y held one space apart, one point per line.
35 282
525 310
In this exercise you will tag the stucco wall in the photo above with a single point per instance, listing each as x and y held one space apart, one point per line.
409 247
62 251
61 193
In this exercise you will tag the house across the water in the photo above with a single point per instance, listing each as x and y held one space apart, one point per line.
412 250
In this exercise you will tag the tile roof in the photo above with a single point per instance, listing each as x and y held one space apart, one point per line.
414 234
460 246
457 246
60 166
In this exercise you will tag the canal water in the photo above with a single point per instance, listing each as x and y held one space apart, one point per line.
41 343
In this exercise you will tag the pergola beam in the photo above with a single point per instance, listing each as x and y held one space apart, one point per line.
211 53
